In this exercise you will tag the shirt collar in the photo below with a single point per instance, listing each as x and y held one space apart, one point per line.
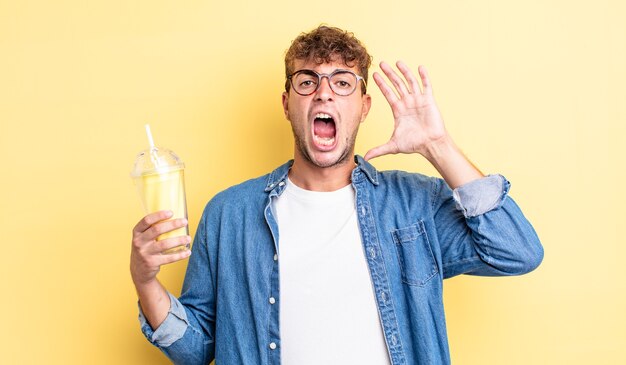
368 169
279 175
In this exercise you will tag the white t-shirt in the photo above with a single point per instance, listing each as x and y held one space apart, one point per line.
328 313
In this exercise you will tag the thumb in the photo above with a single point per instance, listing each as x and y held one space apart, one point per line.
385 149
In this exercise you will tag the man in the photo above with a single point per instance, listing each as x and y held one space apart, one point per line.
325 259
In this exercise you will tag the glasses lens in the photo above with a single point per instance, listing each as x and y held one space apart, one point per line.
305 82
343 83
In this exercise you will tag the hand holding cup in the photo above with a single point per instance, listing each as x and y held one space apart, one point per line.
148 253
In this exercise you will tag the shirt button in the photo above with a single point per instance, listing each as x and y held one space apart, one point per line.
273 346
372 252
275 257
281 183
272 300
272 185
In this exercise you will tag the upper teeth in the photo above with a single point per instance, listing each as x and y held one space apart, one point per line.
323 116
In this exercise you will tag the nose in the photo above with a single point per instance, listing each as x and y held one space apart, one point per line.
324 91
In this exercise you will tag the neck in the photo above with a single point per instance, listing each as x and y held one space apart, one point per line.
311 177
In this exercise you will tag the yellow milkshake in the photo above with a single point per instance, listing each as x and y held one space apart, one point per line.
164 191
159 176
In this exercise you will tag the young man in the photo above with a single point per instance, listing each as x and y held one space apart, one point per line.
326 259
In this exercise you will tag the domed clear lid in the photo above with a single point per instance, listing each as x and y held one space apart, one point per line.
156 160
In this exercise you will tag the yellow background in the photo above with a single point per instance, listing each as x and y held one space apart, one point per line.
533 90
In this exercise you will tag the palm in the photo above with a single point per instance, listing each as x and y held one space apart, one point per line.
416 116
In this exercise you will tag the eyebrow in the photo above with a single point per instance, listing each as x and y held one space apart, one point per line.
308 70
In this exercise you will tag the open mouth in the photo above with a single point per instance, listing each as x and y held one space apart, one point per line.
324 130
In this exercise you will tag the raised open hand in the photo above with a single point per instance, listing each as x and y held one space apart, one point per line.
418 122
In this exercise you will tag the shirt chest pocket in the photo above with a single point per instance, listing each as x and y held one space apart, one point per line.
415 255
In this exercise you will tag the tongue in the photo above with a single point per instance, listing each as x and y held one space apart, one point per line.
324 129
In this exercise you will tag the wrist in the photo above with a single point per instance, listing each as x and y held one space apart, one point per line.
439 150
451 163
143 285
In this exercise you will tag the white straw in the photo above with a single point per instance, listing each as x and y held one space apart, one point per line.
154 156
150 140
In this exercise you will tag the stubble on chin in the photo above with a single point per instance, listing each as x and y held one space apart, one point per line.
343 159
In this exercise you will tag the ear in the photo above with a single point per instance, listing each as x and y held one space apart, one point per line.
286 104
365 107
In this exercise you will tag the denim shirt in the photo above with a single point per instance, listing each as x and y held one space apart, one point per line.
415 231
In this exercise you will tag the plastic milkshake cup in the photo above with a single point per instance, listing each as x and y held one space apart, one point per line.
158 174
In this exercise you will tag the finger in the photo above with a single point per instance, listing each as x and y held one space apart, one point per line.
173 257
391 97
163 227
428 89
386 149
151 219
395 79
160 246
408 74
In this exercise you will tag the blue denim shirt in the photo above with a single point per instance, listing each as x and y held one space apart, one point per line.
415 231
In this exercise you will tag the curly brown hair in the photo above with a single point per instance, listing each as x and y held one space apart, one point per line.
325 44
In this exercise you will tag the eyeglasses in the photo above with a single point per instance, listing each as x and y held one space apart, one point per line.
342 82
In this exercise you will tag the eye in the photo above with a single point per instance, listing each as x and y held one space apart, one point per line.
306 81
344 80
343 84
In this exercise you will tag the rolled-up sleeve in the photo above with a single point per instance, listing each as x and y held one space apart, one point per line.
172 328
482 195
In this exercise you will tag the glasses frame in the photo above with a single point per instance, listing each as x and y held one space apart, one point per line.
328 76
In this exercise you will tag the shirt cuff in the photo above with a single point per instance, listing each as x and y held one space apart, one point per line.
481 195
172 328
